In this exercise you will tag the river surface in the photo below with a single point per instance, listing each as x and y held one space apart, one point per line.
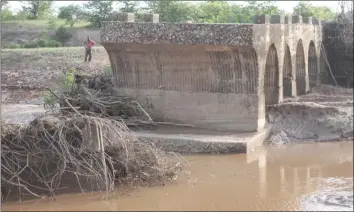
308 176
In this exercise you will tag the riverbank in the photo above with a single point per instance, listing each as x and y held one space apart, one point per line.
324 114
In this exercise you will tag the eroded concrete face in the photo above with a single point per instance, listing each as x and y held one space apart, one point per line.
215 76
213 111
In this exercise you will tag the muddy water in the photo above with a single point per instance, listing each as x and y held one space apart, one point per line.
313 176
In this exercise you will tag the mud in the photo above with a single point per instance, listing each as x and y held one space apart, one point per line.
324 114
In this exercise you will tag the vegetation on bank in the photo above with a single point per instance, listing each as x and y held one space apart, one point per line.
47 24
92 13
40 14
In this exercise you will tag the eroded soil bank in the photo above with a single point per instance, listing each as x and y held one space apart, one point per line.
324 114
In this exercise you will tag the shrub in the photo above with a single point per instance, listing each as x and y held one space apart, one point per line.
107 70
62 35
64 84
6 14
52 23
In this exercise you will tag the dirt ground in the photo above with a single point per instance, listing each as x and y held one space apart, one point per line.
25 72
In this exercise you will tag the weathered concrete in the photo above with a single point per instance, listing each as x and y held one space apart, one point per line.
215 76
201 141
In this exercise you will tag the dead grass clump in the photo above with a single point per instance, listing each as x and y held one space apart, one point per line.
101 151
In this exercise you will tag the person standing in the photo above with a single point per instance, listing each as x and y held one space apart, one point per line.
88 44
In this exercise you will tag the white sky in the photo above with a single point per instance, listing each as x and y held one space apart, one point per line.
287 6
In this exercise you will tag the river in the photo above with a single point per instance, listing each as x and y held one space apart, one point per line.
306 176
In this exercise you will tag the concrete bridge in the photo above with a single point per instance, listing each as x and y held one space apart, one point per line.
214 76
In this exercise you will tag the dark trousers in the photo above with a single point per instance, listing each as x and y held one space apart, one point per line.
88 53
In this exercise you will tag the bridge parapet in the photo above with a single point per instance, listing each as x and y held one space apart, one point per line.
143 17
281 19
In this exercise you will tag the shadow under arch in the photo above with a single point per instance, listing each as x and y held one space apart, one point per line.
300 69
271 77
287 73
312 64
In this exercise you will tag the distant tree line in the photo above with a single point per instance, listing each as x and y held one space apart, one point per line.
170 11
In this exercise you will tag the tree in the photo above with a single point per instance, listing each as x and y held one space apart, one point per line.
6 14
129 6
244 14
70 13
3 3
215 12
306 9
38 9
171 11
98 11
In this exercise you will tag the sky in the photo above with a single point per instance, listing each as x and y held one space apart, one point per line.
287 6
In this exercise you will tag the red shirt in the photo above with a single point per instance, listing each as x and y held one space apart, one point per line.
89 44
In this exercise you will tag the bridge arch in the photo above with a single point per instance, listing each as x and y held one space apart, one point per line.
287 73
271 77
300 69
312 64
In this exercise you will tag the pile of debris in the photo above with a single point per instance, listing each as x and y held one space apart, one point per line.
86 138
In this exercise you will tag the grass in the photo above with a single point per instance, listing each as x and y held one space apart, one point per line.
53 49
45 23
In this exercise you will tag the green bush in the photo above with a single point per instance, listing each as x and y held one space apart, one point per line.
107 70
6 14
52 23
65 84
62 35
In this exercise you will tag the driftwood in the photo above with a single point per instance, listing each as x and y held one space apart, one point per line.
88 137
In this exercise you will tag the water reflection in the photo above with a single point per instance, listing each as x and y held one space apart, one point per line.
267 179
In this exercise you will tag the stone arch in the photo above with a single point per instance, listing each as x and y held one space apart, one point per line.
271 76
312 64
300 69
287 73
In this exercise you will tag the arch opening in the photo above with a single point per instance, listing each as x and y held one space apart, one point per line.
287 74
312 65
300 69
271 82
